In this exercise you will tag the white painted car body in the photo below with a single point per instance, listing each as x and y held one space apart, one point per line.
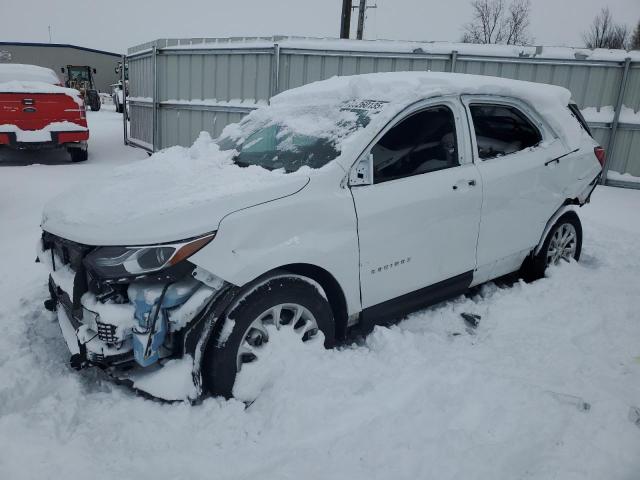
371 246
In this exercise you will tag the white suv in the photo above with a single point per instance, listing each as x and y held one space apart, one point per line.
344 204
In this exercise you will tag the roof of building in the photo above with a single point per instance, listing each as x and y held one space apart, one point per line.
59 45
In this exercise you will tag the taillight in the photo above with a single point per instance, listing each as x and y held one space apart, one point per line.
83 111
600 155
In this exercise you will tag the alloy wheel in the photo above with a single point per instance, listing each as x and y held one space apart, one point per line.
283 316
563 244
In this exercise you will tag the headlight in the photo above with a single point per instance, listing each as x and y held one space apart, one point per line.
113 262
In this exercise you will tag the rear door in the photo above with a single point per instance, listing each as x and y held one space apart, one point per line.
514 151
418 222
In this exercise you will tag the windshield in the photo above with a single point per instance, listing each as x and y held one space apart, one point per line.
290 138
79 73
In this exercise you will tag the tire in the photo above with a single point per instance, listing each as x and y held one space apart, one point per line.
78 154
222 357
94 100
535 266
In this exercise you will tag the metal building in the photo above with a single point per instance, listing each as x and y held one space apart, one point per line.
179 87
56 55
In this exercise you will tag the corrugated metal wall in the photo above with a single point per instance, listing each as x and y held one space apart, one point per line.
205 84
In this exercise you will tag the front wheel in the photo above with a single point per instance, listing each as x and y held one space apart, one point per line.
279 305
562 243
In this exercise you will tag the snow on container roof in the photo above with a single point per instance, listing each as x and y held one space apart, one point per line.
404 88
394 46
10 72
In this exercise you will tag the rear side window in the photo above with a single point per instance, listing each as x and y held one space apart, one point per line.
502 130
422 143
575 111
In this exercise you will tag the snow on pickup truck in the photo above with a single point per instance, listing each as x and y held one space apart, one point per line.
37 112
344 204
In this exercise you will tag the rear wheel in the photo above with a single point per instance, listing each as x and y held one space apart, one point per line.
562 243
78 154
280 305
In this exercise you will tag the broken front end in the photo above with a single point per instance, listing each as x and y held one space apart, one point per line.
143 314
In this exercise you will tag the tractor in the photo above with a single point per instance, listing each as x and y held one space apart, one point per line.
80 77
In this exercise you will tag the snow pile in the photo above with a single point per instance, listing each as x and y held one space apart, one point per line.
174 383
622 177
403 88
27 73
191 188
605 115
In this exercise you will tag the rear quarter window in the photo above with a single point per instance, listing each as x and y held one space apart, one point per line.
502 130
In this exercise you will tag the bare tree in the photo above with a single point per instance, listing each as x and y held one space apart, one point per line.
606 33
517 25
494 22
635 40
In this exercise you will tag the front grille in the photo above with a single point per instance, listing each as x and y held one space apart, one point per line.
107 332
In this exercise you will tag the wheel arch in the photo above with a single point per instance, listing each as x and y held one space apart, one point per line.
335 295
567 207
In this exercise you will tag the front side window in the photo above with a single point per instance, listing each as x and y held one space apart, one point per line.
424 142
502 130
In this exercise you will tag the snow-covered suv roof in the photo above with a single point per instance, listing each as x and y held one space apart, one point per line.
404 88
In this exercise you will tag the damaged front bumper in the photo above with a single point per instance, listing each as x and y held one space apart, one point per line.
149 334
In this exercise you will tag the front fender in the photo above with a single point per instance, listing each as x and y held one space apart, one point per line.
316 227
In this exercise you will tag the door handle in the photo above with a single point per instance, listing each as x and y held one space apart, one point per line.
471 183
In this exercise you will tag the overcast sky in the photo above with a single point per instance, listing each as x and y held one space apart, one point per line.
115 25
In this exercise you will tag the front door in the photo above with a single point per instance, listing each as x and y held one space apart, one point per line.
418 222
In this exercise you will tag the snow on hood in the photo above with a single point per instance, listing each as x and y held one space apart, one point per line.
404 88
175 194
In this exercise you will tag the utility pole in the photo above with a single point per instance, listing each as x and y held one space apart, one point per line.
49 33
362 7
345 19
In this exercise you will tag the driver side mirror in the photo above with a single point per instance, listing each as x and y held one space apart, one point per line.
362 172
62 69
95 71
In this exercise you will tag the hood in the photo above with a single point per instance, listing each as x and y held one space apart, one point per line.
175 194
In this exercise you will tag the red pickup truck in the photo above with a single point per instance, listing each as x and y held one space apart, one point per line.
37 112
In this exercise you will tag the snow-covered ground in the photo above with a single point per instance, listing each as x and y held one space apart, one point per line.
542 389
